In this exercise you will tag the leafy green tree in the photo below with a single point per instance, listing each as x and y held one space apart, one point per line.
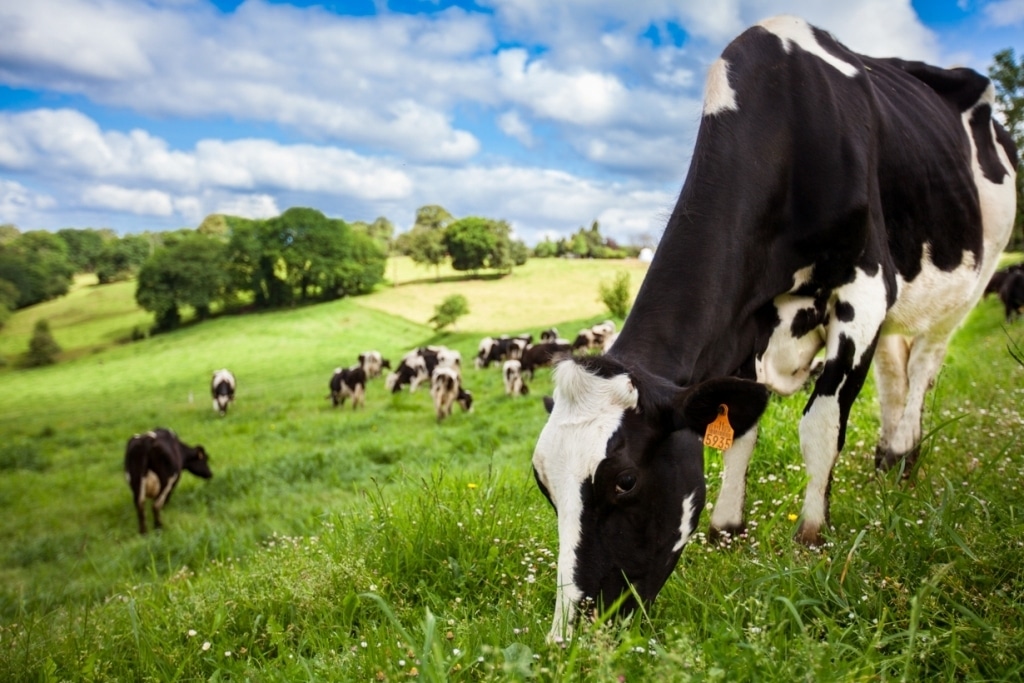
188 272
37 264
380 230
449 311
1007 74
42 347
8 233
615 294
471 242
433 217
121 258
545 249
426 247
84 246
215 225
8 300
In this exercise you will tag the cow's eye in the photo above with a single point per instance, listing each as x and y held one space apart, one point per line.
625 483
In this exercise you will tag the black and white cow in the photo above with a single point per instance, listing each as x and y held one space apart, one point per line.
153 463
417 366
512 374
833 201
373 363
549 335
348 383
222 387
496 350
543 355
597 336
446 389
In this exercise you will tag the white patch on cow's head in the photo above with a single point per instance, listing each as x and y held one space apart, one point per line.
792 30
718 94
587 410
687 524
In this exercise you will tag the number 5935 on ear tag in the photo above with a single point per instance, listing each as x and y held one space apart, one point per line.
719 432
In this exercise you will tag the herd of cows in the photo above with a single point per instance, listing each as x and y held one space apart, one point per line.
154 461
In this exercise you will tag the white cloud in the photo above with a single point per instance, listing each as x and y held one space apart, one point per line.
248 206
1005 12
512 125
17 202
140 202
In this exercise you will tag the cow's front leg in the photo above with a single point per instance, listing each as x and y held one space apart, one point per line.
727 516
856 315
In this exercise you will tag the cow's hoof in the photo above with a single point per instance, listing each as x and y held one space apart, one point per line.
886 459
725 535
810 536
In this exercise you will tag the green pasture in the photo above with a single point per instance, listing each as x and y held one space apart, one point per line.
341 545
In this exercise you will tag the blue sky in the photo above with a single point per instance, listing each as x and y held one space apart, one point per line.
149 115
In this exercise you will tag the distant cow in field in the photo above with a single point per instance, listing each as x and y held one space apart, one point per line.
1011 293
222 387
373 363
513 376
543 355
349 383
594 337
417 366
153 463
496 350
549 335
446 390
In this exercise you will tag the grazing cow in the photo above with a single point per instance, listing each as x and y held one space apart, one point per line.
493 350
446 390
1011 293
834 200
543 355
222 387
373 363
417 366
349 383
514 384
153 463
594 337
549 335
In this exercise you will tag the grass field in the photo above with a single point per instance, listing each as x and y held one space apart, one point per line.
335 544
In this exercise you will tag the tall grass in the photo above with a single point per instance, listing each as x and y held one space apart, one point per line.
381 545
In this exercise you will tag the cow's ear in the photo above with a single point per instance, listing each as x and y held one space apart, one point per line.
549 404
696 407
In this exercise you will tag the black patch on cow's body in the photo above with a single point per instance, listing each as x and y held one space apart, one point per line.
981 132
844 311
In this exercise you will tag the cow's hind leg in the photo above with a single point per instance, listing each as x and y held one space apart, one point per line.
727 516
902 391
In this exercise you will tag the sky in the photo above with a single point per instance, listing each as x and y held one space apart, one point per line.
152 114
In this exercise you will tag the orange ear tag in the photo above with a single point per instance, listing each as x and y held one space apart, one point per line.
719 432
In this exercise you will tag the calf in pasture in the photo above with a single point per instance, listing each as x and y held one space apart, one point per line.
834 201
543 355
513 375
373 363
446 390
549 335
222 387
496 350
349 383
595 337
153 463
418 365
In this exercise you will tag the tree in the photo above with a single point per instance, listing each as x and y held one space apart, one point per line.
380 230
121 258
433 217
37 264
84 246
189 272
615 294
471 242
8 299
1007 75
426 247
42 347
448 311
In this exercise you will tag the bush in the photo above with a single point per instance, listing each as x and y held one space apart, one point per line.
42 348
615 295
450 310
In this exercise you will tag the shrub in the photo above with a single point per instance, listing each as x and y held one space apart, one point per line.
42 348
615 295
450 310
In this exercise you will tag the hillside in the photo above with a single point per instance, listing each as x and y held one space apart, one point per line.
334 544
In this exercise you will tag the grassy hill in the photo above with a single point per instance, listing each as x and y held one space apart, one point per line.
335 544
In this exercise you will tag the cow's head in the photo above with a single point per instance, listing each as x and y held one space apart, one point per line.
198 463
622 463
